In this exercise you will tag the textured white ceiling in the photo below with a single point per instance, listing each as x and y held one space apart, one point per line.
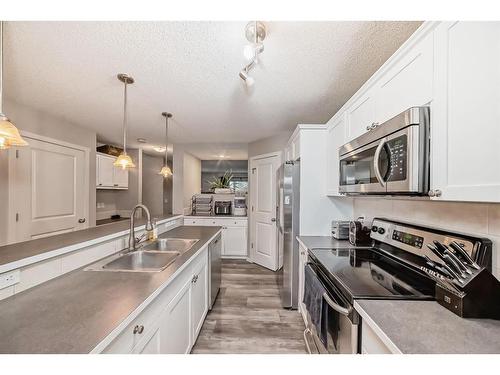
307 72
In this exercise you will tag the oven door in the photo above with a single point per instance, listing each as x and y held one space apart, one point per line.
390 165
343 322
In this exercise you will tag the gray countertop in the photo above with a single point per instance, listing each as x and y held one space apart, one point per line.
312 242
425 327
75 312
17 251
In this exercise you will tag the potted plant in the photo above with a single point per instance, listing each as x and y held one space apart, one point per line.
221 185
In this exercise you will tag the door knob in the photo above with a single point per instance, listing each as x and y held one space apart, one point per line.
273 219
81 221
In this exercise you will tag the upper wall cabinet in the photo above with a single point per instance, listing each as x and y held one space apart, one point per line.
465 115
408 82
361 114
107 175
405 82
336 137
292 150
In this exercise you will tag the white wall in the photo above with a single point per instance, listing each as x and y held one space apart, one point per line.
478 219
192 180
268 145
152 183
4 197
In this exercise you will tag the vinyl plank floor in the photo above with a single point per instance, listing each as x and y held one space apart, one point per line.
247 317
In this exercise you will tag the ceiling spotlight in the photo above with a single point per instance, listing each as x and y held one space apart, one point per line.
249 81
159 148
255 33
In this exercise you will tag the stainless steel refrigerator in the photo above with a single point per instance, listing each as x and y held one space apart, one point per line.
288 210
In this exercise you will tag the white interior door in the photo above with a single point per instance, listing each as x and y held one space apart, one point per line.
263 244
50 188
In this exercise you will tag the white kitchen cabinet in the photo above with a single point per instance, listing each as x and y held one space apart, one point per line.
303 254
107 175
336 137
170 324
150 344
465 116
408 82
292 150
199 299
235 241
361 114
176 338
234 233
371 343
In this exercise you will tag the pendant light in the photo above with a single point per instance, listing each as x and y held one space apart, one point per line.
123 160
165 171
9 135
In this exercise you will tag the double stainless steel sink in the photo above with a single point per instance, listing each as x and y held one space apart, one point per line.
152 257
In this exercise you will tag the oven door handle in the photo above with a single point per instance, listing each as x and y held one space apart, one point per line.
376 158
340 309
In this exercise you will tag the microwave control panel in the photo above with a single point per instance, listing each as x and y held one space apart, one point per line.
397 164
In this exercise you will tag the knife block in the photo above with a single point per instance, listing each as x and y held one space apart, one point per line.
479 297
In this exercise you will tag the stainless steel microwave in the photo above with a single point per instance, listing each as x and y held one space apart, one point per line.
391 158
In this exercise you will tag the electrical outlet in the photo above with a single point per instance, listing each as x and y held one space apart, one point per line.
10 278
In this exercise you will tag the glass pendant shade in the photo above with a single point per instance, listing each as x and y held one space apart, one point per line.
9 135
124 161
165 171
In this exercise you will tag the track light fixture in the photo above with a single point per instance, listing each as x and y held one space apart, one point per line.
255 33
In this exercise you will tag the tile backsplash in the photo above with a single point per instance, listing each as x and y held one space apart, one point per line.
474 218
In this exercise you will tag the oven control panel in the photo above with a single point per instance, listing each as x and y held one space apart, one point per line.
414 239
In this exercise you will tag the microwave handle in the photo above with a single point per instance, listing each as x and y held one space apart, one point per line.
375 161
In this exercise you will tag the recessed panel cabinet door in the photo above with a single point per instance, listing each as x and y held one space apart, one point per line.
361 114
199 299
408 83
176 323
105 168
235 241
465 117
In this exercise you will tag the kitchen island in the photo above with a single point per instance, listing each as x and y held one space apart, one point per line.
89 311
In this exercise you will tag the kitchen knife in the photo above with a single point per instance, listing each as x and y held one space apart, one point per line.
457 264
464 254
450 271
458 261
436 266
451 262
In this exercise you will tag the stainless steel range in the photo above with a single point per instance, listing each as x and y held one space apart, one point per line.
400 264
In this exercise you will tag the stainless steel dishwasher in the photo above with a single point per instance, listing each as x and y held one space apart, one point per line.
214 259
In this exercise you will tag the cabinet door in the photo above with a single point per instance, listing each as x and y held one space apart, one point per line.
199 298
235 241
120 178
105 168
465 115
150 344
361 114
175 335
408 83
302 263
336 137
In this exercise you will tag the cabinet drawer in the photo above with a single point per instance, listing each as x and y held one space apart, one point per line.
235 223
200 221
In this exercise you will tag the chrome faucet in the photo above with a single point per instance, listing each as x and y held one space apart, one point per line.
149 226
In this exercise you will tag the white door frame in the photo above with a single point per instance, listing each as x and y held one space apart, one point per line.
11 220
251 218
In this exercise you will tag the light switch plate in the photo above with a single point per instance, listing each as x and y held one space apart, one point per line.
9 279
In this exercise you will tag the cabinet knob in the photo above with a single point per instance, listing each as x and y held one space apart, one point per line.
138 329
435 193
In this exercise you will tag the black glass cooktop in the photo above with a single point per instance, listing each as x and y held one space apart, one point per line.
368 273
